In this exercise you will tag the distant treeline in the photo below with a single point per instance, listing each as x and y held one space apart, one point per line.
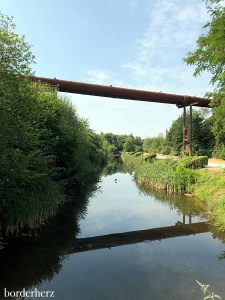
47 152
203 140
171 143
115 143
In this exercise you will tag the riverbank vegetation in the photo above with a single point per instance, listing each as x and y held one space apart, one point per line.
47 151
186 176
165 174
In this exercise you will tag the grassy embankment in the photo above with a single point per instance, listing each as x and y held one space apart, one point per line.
186 175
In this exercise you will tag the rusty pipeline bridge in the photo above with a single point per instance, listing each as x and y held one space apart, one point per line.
181 101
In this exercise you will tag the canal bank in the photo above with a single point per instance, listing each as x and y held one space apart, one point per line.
171 175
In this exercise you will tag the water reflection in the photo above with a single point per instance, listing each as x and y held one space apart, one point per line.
146 247
114 165
138 236
28 261
188 206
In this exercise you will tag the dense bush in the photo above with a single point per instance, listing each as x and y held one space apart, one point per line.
131 153
48 152
166 150
194 162
219 151
149 156
136 154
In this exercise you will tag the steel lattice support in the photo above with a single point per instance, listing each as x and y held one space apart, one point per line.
187 130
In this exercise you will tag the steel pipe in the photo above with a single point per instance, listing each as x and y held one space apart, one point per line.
123 93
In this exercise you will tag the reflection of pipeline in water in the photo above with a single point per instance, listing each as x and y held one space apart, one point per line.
133 237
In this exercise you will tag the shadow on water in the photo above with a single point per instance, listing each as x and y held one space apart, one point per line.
138 236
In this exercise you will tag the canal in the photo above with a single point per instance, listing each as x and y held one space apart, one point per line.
163 266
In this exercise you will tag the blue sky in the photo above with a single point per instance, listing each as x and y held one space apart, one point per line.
129 43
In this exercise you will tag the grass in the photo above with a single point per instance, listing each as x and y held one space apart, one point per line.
210 188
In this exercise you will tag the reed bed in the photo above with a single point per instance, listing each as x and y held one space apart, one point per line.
165 174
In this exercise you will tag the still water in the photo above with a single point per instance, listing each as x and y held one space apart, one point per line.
125 266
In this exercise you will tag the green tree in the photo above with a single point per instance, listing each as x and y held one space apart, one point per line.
46 150
138 144
117 142
108 148
147 145
15 54
209 56
155 144
210 51
202 136
129 145
174 136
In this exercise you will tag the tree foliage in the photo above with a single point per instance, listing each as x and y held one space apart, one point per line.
119 143
15 53
209 56
46 150
202 137
155 144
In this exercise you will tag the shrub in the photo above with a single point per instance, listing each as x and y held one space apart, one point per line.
136 154
166 150
175 152
219 152
149 156
194 162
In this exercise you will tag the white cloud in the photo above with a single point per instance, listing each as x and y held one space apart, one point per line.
173 27
98 76
171 30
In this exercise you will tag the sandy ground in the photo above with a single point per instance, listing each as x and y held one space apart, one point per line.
213 162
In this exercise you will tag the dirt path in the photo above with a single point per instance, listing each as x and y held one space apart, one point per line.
216 163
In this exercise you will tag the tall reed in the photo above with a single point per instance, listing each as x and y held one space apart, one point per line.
165 174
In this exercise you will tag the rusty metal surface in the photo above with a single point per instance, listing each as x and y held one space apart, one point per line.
123 93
